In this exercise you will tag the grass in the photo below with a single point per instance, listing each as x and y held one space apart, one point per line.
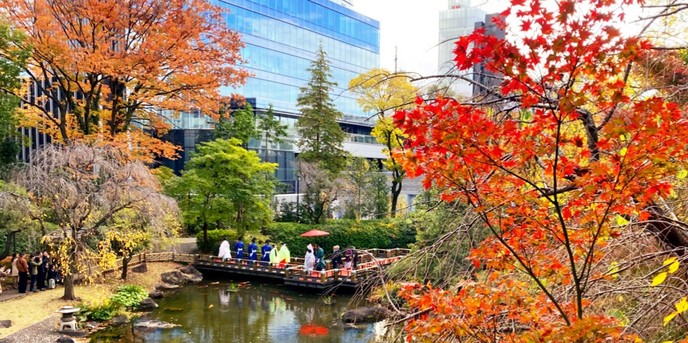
35 307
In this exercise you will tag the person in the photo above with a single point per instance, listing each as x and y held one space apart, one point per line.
309 260
52 276
35 262
14 272
336 257
266 252
283 255
224 253
239 248
253 250
354 257
42 270
23 269
273 256
348 258
319 254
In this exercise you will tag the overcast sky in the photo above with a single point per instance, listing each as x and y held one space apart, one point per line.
411 26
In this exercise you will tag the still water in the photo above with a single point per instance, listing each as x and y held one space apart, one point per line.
255 313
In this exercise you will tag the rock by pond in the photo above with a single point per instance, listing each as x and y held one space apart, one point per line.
365 315
147 304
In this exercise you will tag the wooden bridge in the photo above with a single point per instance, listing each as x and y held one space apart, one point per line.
371 261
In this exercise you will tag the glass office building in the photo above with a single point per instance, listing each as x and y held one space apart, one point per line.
457 20
281 39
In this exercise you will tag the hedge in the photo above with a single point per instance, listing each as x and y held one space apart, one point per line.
215 238
383 234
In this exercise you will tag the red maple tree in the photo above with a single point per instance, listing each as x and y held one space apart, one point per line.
552 159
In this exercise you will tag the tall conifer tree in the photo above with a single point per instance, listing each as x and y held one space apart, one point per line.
321 136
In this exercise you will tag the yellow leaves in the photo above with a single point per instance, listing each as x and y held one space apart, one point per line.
681 174
681 306
659 279
673 264
614 269
623 151
621 221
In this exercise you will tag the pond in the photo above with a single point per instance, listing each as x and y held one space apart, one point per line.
255 312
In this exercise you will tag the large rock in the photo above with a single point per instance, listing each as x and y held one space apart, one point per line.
155 295
166 287
191 274
64 339
119 320
174 277
141 268
154 324
147 304
365 315
5 323
190 270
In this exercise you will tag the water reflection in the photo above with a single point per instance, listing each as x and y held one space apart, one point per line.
255 313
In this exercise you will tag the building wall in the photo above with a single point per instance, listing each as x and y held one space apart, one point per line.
282 38
482 77
457 20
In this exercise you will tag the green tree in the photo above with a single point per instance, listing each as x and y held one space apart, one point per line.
225 185
83 189
379 187
321 136
358 173
10 67
272 130
240 125
382 92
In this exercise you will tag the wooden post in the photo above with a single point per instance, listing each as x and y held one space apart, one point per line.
323 276
353 276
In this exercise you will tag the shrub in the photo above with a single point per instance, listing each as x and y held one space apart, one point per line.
99 310
383 234
129 296
214 239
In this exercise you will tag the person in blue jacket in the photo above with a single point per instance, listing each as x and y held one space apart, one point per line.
239 247
253 250
266 252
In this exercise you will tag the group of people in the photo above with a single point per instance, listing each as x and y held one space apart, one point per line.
279 255
37 272
269 253
315 258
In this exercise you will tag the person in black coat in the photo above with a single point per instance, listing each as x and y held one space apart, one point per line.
336 257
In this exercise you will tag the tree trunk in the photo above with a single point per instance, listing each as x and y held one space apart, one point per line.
205 234
671 232
396 191
69 288
125 267
11 237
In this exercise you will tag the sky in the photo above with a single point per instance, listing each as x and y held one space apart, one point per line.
412 27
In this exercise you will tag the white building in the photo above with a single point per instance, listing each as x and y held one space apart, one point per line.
457 20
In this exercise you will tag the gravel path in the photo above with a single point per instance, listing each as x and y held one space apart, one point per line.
44 331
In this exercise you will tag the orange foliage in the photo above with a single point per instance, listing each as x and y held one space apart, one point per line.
108 66
566 152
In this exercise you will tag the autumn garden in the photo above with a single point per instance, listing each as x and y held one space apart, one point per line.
554 205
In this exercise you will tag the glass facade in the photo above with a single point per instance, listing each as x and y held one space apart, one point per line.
457 20
282 37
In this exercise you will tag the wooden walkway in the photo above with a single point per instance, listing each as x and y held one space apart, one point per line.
371 261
